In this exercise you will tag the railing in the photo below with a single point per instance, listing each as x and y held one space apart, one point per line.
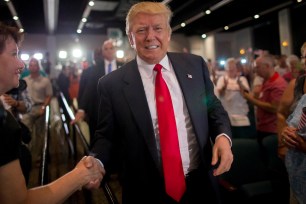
77 135
43 173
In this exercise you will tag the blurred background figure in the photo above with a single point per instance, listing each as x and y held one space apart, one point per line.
288 102
229 89
281 66
74 81
268 98
46 64
40 91
104 63
294 68
63 83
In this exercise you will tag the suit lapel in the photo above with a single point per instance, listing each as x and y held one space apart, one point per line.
136 98
190 79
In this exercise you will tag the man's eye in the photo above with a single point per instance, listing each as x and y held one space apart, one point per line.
158 29
140 30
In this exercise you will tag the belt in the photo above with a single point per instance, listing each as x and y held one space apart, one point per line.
38 104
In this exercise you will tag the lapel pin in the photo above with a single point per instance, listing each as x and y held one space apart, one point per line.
189 76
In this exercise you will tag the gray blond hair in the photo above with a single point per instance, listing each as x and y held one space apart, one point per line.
148 8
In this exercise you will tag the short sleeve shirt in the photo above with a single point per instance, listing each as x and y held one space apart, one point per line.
272 91
39 88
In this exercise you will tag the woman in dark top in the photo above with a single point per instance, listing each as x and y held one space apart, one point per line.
12 186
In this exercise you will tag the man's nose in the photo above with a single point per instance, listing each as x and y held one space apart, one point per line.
150 34
21 64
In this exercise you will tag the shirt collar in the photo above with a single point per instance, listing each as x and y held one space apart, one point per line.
274 77
108 62
147 68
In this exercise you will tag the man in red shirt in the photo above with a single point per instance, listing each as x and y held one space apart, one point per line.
269 97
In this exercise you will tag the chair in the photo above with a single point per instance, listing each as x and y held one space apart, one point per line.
248 180
277 169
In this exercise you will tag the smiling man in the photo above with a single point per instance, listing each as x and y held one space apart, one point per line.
161 110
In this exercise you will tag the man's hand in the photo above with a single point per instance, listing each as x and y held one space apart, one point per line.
80 115
222 150
92 164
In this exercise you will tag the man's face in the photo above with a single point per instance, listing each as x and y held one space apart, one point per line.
150 37
33 66
261 68
232 69
108 51
10 66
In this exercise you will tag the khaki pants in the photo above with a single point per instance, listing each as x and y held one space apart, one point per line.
36 123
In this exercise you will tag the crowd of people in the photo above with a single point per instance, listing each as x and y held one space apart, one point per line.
169 116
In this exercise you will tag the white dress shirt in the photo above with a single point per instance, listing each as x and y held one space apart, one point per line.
187 141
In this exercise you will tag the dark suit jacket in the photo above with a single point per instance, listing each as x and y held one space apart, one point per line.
124 119
88 96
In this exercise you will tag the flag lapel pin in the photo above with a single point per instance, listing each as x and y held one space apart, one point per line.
189 76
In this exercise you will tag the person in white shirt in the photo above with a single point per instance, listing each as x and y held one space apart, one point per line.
229 87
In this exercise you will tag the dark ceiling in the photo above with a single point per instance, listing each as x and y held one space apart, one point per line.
105 14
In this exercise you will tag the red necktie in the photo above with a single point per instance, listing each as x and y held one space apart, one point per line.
169 145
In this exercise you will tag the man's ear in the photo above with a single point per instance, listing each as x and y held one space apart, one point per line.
131 40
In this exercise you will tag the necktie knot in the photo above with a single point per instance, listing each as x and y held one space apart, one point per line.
158 67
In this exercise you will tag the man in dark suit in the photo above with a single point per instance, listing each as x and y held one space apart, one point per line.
128 117
104 62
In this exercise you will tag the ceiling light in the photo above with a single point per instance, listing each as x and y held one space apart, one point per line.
62 54
91 3
7 0
256 16
51 14
208 12
77 53
15 18
203 36
84 20
21 30
120 54
79 31
242 51
38 56
299 1
24 57
226 27
183 24
285 43
243 61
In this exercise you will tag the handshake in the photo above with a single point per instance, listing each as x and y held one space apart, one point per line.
89 173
